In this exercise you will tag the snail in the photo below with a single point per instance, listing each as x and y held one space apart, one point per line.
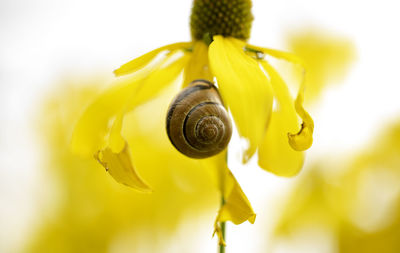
197 124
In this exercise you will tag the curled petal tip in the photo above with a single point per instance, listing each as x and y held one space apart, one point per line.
120 167
303 139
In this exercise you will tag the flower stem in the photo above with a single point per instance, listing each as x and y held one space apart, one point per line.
222 246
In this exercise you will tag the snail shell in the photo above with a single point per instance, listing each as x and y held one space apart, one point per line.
197 123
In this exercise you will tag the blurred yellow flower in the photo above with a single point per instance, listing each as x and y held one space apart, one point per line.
356 207
263 110
326 56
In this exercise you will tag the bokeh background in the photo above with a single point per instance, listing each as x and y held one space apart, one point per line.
55 56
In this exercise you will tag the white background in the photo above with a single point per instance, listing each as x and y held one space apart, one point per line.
42 41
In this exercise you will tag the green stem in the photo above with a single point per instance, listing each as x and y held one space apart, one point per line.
222 247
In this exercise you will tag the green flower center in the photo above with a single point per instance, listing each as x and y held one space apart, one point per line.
230 18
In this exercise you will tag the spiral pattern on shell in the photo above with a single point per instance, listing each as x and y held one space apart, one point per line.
197 123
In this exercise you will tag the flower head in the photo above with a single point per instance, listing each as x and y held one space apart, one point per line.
253 92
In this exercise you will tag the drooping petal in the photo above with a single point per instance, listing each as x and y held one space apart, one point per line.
303 139
115 157
143 60
93 135
275 153
159 79
244 88
236 207
91 129
120 167
198 67
93 126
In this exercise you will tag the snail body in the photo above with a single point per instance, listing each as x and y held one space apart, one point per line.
197 123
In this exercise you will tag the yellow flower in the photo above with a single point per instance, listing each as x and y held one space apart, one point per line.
263 110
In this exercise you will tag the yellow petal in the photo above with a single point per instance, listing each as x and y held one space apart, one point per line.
304 138
159 79
91 129
93 126
115 156
236 207
198 67
119 164
244 88
141 61
275 153
120 167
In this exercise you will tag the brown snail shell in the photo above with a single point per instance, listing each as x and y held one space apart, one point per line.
197 123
